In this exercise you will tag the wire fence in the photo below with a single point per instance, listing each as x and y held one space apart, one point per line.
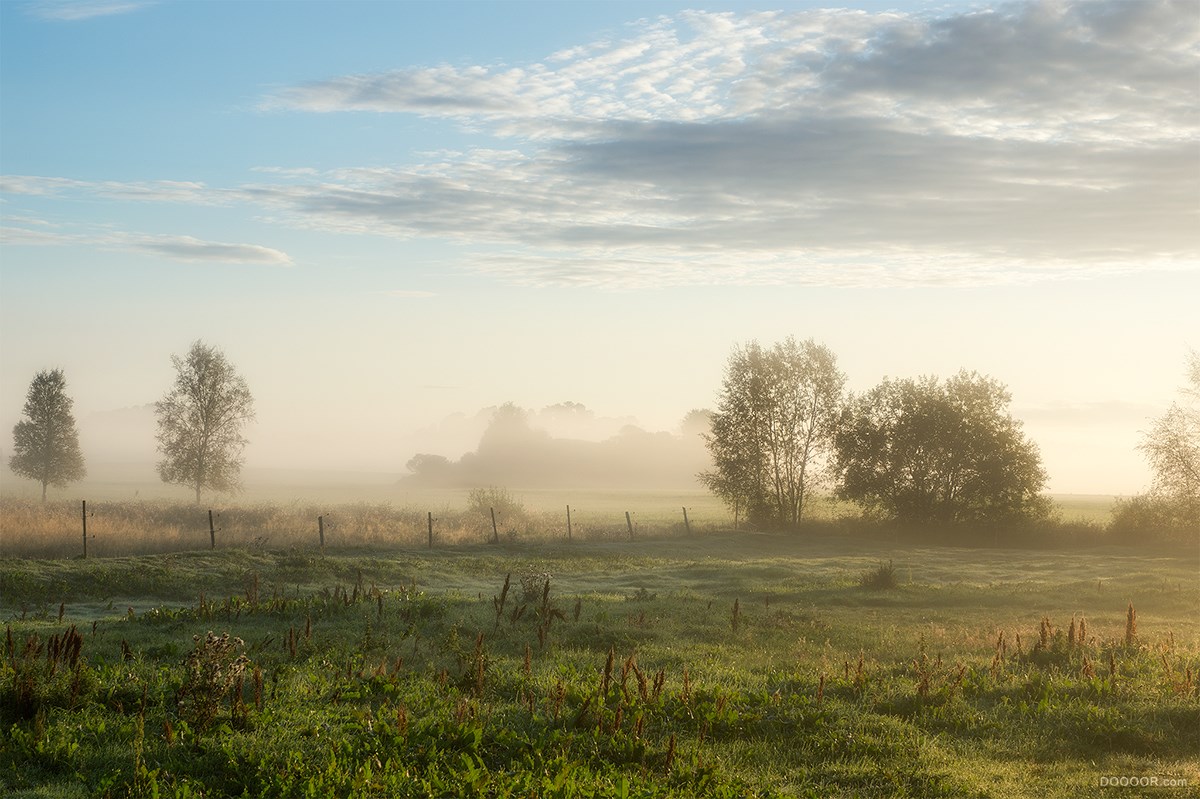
30 528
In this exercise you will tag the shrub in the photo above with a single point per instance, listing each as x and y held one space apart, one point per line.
881 577
1150 519
510 512
211 670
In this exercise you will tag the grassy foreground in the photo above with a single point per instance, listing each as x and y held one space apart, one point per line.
723 665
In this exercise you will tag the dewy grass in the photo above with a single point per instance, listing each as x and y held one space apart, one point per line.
409 673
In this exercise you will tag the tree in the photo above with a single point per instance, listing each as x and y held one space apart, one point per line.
1172 446
922 451
46 443
772 432
200 422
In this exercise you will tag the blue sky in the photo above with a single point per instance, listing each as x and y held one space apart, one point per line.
388 213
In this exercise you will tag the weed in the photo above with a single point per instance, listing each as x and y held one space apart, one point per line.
532 582
211 670
882 577
29 683
749 716
1131 634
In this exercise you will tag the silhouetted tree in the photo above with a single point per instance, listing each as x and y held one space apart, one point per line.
772 432
200 422
920 451
46 443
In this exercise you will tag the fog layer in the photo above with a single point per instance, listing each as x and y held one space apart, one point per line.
515 451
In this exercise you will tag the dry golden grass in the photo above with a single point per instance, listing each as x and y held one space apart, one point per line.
30 528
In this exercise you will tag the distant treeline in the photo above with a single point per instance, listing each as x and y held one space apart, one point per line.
515 453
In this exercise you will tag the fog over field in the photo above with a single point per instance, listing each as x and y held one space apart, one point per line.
394 218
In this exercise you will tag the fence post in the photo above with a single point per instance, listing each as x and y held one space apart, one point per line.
629 524
212 532
85 529
686 524
568 522
431 529
495 534
321 532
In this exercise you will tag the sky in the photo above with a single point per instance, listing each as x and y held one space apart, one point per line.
388 215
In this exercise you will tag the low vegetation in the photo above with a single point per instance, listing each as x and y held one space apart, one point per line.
30 528
726 665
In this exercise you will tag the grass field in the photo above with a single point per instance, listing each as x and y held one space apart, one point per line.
281 510
721 665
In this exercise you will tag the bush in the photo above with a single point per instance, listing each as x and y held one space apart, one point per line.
511 515
211 672
880 578
1150 519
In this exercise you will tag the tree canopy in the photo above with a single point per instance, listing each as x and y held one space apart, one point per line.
773 429
200 422
45 442
921 451
1172 447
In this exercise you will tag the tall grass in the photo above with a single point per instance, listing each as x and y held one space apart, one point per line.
29 528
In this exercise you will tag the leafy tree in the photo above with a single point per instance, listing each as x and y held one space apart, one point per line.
772 432
46 443
200 422
696 423
921 451
1172 446
429 468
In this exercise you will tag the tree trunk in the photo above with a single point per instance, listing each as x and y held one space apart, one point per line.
197 493
43 491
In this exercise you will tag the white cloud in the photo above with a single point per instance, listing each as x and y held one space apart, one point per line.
177 248
1036 141
76 10
187 248
1039 140
133 191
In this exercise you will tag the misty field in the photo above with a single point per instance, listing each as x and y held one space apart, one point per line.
719 665
384 517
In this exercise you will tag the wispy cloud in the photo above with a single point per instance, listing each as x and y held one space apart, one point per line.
171 191
75 10
187 248
1038 141
177 248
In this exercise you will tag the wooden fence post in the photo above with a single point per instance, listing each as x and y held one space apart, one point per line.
321 532
212 532
495 533
686 524
431 529
85 529
568 522
629 524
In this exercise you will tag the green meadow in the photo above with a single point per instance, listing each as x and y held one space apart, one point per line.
720 664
